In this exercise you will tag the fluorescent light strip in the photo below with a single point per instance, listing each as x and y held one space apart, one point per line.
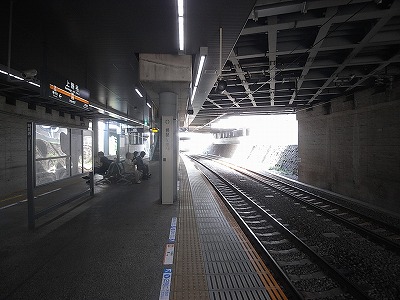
201 64
194 92
139 93
181 34
33 83
181 28
19 78
94 106
148 104
199 70
114 115
11 75
180 8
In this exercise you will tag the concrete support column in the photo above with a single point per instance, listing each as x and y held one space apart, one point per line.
106 139
95 130
168 146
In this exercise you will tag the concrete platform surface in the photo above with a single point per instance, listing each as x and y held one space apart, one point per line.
110 247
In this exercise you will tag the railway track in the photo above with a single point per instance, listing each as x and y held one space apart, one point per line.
319 248
380 232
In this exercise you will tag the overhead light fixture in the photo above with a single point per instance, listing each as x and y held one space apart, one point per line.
28 80
181 26
193 93
201 64
180 8
148 104
203 54
12 75
139 93
181 34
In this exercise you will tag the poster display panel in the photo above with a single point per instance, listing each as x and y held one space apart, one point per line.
61 152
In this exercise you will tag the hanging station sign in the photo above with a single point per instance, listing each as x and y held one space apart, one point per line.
60 88
70 93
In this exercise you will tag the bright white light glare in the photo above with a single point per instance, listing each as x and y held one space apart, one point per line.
195 143
148 104
264 128
139 93
180 8
181 34
201 64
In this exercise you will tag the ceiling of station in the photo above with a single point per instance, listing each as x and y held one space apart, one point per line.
277 56
97 43
292 55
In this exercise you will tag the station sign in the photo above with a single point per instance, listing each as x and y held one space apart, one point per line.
60 88
70 92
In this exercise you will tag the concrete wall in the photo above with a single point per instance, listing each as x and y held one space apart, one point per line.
13 143
352 147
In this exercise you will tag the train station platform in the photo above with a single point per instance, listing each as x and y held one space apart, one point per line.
124 244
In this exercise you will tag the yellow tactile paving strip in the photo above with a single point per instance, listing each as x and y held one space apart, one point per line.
272 287
213 257
189 279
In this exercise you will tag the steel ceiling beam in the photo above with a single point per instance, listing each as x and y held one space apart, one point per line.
299 6
394 58
233 100
235 110
272 40
213 102
240 74
314 51
389 14
362 16
322 33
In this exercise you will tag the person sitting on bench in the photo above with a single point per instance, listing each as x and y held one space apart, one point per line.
144 168
104 164
102 168
130 168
